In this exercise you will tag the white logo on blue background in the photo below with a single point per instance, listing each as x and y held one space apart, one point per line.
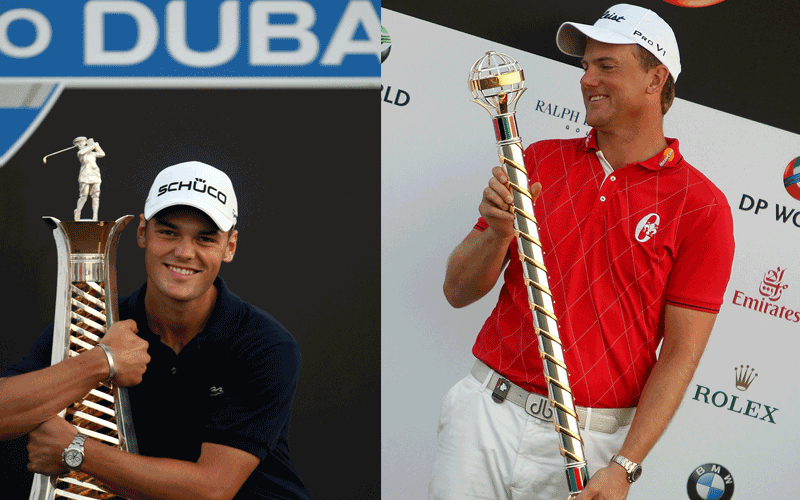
22 107
48 46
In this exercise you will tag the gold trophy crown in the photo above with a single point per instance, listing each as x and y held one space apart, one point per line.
496 82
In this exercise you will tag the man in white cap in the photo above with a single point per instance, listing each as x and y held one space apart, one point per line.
211 378
639 248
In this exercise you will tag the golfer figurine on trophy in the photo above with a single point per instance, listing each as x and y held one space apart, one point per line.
89 175
86 306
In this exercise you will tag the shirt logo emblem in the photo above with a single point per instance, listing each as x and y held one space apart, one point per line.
666 156
647 227
216 391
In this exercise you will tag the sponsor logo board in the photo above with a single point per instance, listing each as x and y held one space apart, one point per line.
47 46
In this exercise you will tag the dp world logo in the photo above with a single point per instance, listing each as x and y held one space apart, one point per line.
791 178
710 482
386 44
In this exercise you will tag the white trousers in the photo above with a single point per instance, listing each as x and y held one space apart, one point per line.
497 451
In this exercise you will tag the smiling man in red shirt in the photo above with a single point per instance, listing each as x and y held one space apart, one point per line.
639 248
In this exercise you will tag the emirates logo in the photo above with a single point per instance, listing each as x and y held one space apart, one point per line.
772 286
771 290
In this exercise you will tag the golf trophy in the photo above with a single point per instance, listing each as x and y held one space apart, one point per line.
496 82
86 306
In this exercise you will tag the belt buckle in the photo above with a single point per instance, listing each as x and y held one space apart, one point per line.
539 407
501 389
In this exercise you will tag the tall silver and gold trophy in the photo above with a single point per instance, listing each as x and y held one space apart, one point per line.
86 306
496 82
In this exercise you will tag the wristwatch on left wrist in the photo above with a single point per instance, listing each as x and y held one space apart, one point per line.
73 454
634 470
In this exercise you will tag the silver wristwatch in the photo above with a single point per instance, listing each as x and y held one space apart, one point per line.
634 469
73 454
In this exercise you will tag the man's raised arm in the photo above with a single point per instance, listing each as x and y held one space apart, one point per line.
476 263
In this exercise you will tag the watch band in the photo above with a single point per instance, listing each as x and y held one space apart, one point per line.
79 440
75 446
112 368
633 469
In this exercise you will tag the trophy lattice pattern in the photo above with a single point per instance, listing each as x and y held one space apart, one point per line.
94 414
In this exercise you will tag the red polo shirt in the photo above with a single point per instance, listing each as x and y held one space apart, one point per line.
617 248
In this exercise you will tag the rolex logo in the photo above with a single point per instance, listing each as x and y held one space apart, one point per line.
744 377
731 402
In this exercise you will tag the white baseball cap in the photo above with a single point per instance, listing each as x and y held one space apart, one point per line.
197 185
622 24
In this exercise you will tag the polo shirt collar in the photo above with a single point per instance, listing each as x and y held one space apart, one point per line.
589 142
222 318
669 157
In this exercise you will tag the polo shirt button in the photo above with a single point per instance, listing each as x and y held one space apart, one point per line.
613 178
174 370
602 198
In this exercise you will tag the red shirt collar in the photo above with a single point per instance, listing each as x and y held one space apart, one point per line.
667 158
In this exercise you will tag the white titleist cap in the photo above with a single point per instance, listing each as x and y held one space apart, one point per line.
622 24
197 185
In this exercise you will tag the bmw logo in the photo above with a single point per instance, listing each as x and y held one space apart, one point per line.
710 482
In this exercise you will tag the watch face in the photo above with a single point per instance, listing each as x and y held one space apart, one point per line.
636 473
73 458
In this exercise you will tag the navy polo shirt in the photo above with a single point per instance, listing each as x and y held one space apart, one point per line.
233 384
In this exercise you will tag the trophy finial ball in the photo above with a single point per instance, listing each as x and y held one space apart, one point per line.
496 75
